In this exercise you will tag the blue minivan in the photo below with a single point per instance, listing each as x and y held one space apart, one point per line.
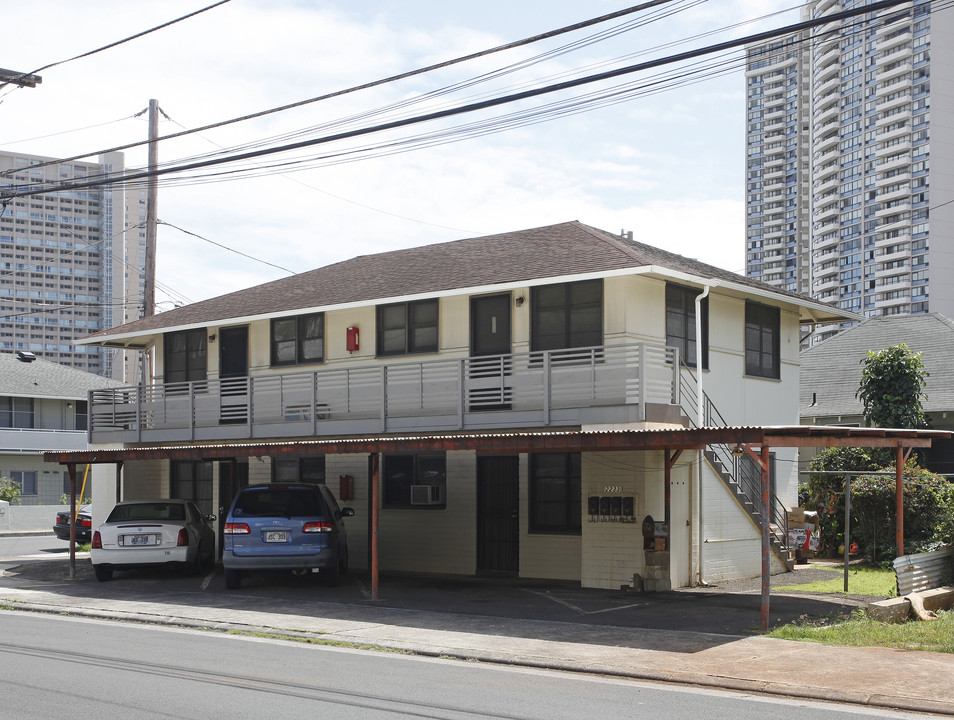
287 526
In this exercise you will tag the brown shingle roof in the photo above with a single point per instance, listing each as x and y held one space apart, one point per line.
551 251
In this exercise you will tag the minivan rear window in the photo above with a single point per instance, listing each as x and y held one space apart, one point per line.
289 503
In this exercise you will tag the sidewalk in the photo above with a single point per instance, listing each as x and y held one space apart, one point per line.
875 677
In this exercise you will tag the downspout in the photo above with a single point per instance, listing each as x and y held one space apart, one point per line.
700 422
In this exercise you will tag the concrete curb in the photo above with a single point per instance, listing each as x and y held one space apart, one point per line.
722 682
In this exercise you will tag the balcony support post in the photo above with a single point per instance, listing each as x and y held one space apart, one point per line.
641 374
139 392
676 385
314 403
192 411
547 387
461 392
384 398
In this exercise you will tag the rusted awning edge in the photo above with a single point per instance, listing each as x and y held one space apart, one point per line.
590 440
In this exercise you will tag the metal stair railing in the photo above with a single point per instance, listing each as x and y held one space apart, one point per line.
747 482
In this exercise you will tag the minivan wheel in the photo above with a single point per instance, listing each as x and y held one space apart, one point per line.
233 579
332 574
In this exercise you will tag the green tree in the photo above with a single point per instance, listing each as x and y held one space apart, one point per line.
892 385
9 491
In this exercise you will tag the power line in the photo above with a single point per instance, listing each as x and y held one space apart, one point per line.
118 42
226 247
484 104
389 79
79 129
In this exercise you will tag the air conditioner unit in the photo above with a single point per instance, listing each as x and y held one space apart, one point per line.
427 494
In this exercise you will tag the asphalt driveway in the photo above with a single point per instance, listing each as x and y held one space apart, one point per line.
730 608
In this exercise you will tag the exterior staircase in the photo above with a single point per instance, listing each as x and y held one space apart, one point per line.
747 494
743 484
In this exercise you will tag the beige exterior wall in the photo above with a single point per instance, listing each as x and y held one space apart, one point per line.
605 554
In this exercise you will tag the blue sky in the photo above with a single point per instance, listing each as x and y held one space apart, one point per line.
669 166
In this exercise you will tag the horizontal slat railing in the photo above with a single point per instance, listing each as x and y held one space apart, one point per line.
451 391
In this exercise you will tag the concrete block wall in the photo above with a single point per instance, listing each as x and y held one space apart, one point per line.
612 552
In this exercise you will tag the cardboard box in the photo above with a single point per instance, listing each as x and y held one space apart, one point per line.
796 515
659 543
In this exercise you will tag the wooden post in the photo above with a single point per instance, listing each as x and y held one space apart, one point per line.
71 468
119 481
766 548
899 502
374 470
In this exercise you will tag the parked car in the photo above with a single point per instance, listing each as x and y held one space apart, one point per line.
148 533
84 525
285 526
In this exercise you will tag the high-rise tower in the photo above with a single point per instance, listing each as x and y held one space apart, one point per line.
847 175
70 261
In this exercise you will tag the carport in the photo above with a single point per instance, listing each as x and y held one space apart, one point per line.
754 441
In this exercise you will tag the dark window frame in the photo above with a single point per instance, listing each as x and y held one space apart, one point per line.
308 469
561 323
19 476
395 491
763 326
192 480
300 340
572 508
681 306
18 413
194 354
410 327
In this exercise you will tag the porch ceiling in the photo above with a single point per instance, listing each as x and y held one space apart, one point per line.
523 442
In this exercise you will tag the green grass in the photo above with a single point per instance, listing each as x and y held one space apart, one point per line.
861 581
861 631
84 547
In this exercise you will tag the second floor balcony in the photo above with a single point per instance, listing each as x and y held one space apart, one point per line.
597 385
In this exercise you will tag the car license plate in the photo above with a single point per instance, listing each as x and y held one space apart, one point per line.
276 536
140 539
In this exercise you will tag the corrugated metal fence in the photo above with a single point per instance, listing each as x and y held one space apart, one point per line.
924 571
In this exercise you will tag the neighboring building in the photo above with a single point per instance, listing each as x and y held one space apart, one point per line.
831 375
844 159
558 336
71 262
43 406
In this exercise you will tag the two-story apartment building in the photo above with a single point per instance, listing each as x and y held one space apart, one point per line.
43 406
463 368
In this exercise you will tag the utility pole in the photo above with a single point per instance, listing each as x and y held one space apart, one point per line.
19 78
149 286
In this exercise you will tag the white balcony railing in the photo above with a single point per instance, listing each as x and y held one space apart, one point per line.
608 384
29 440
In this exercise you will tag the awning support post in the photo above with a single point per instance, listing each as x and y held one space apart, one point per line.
766 549
899 502
71 468
374 472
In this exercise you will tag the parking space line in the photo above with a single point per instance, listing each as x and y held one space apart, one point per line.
580 610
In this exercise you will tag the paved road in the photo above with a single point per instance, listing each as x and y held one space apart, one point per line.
54 665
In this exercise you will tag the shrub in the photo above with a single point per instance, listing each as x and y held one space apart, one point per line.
9 490
928 504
